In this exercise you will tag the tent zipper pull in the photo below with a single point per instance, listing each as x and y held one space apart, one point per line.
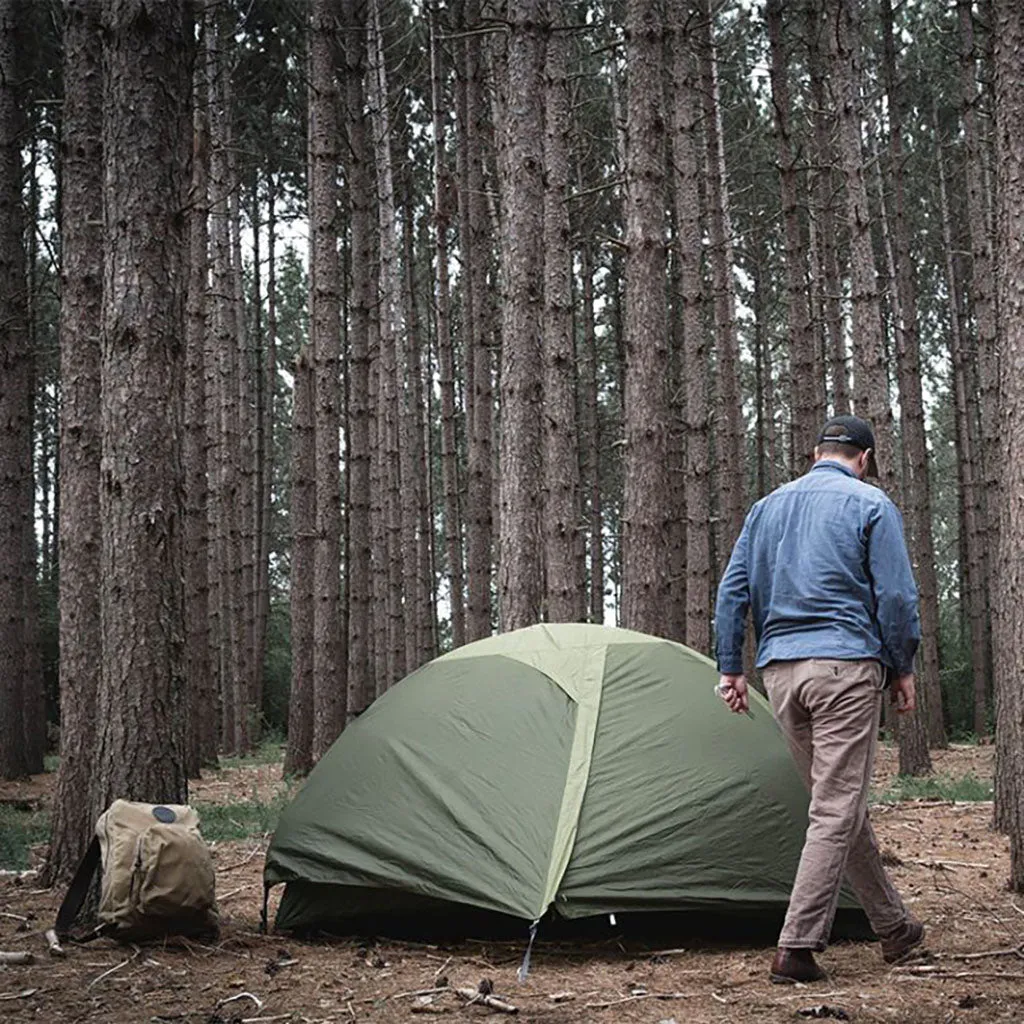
524 967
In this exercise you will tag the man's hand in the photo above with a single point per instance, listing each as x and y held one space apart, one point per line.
733 690
903 693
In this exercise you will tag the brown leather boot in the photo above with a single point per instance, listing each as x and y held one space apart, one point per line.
898 944
791 966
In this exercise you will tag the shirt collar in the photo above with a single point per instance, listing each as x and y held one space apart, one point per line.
831 464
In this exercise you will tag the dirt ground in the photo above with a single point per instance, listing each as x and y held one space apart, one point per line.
946 860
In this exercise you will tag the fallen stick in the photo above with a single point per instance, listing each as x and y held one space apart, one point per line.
1015 951
926 973
636 998
14 917
23 994
241 863
475 996
939 863
16 958
116 967
53 943
422 992
241 995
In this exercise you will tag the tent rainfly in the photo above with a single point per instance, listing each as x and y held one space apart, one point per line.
575 769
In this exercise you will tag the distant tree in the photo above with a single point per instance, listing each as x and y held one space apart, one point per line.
146 134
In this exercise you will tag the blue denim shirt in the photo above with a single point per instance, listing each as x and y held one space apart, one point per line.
823 567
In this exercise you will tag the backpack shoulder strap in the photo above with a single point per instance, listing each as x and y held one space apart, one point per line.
78 890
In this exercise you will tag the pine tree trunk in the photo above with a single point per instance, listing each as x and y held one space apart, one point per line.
201 695
298 759
475 248
917 487
522 190
687 143
563 567
807 396
267 369
983 300
361 689
225 397
590 439
15 401
729 445
645 583
871 381
245 466
329 692
445 353
968 465
1009 621
218 730
81 301
146 136
422 645
392 371
823 190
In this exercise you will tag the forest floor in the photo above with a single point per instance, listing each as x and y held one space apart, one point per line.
946 860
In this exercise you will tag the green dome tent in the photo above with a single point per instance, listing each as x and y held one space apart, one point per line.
579 768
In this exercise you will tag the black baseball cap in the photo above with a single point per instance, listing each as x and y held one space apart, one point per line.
854 431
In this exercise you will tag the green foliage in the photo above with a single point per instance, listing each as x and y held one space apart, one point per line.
20 830
246 819
270 751
964 788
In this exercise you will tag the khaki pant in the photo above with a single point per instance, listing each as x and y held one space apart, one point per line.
829 712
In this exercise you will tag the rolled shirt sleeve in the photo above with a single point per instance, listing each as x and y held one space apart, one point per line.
895 592
731 607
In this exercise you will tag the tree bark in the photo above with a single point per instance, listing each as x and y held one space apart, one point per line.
687 142
1009 622
146 134
329 690
79 526
561 511
522 189
298 758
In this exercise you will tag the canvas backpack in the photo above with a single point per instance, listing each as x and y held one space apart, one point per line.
157 875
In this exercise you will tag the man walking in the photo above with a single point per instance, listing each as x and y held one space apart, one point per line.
822 565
